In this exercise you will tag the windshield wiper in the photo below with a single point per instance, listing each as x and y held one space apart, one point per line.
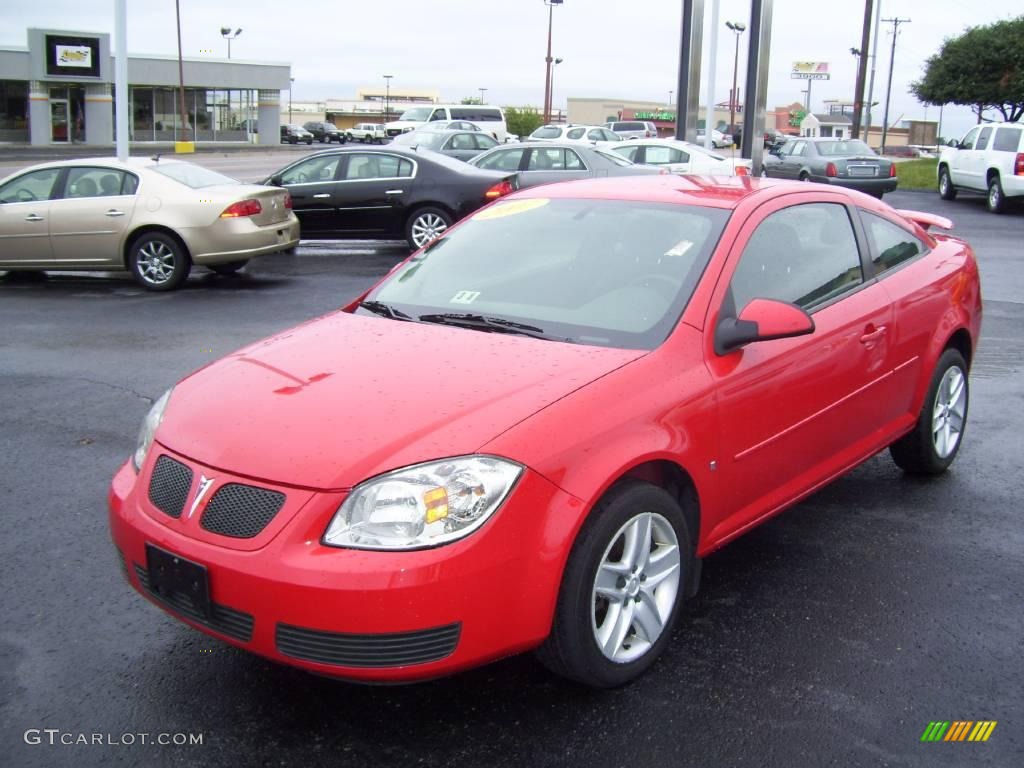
386 310
493 324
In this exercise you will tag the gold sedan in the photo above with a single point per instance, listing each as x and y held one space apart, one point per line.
150 216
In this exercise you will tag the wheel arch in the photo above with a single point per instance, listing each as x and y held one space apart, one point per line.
991 173
134 235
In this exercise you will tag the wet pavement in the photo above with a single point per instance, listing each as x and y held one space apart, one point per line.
831 635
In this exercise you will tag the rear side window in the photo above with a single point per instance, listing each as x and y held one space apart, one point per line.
664 155
627 152
478 114
1007 139
890 245
554 159
507 160
99 182
629 127
576 133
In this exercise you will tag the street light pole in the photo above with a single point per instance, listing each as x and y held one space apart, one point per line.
554 64
482 91
290 81
226 33
547 62
670 97
888 91
387 97
738 27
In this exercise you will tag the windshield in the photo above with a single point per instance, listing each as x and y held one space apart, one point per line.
417 114
600 272
840 148
194 176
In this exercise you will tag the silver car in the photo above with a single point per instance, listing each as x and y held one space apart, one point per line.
633 129
150 216
546 162
462 145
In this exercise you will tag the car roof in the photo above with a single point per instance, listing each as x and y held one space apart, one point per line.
132 163
710 191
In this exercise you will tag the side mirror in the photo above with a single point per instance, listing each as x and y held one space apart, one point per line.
761 320
275 180
953 143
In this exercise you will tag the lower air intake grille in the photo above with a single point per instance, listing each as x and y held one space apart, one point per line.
241 511
169 486
225 620
383 650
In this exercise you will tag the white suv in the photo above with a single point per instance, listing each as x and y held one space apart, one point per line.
368 133
989 159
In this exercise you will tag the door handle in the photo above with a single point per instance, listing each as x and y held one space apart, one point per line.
394 192
114 212
321 196
874 335
33 217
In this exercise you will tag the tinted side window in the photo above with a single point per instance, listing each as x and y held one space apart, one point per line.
664 156
503 161
983 138
576 133
316 169
29 187
805 254
1007 139
484 142
890 244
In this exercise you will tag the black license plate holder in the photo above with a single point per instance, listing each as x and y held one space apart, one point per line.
171 574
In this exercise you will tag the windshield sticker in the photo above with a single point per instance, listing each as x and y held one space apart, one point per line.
680 248
464 297
511 208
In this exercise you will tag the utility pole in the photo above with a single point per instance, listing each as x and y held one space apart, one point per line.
888 91
862 68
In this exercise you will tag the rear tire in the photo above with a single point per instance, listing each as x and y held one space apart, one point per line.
996 200
426 225
158 261
946 189
934 442
622 588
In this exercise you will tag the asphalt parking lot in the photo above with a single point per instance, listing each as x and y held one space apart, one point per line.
831 635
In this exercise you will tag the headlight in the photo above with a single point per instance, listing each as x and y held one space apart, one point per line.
149 425
424 505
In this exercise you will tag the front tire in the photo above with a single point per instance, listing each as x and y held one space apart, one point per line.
622 588
425 225
158 261
996 200
934 442
946 189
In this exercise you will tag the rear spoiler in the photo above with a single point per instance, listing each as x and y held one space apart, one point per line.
926 220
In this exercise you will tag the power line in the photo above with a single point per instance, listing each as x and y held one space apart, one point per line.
892 60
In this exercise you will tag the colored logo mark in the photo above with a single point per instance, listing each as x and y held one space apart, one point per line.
959 730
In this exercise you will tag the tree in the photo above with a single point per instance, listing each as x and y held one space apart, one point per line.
522 121
471 100
982 69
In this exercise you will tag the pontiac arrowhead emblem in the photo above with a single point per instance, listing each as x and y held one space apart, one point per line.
204 486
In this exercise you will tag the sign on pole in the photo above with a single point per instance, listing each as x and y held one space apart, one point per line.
810 70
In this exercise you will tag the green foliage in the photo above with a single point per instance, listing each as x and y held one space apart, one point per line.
982 69
522 121
471 100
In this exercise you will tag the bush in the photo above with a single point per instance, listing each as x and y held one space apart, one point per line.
522 121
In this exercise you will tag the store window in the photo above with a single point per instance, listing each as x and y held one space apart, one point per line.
13 110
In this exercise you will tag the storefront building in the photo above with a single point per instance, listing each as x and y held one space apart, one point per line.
60 90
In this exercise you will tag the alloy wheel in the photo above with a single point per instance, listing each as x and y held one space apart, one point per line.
427 227
635 588
156 262
949 411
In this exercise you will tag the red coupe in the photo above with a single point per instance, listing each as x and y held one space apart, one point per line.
529 433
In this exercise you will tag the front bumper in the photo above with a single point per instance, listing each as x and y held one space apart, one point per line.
361 615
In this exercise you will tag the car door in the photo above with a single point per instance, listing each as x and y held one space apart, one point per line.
960 164
548 164
25 218
372 194
311 183
976 165
89 221
793 160
794 412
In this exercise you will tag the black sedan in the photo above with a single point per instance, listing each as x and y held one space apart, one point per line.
843 162
325 132
293 134
387 193
544 162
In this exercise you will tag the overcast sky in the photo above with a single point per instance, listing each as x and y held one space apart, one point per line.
625 49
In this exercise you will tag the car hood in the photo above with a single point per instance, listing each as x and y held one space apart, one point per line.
343 398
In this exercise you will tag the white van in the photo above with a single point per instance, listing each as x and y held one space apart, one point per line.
490 119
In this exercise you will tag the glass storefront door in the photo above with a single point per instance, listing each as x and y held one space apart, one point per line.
59 121
67 114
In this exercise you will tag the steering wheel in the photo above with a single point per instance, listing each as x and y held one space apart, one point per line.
25 196
665 285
